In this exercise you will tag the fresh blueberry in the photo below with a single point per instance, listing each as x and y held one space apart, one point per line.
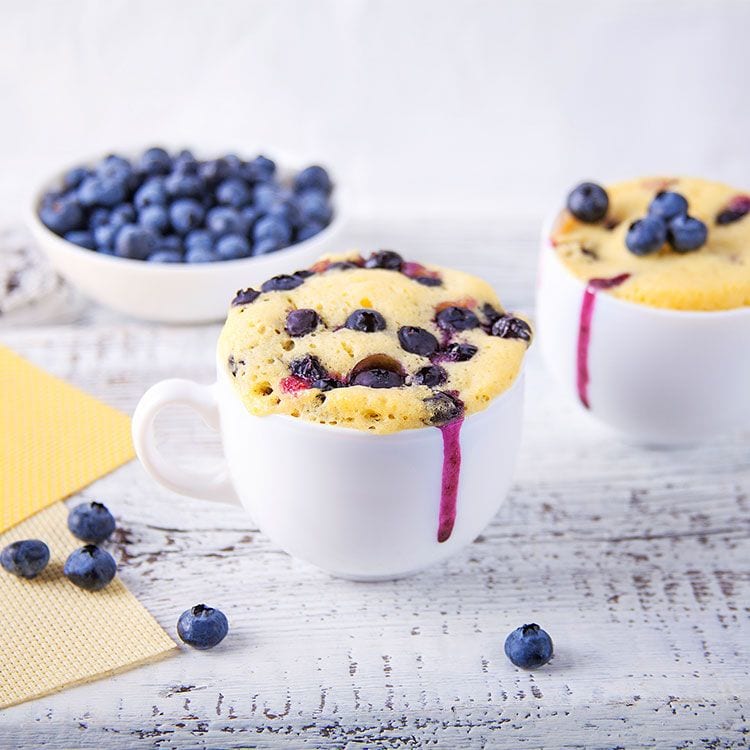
417 341
26 558
81 238
233 192
343 265
245 297
282 283
114 167
214 170
249 216
529 647
378 377
180 185
165 256
431 375
444 408
154 218
90 568
385 259
736 209
232 246
313 178
61 215
508 327
98 218
267 245
287 210
459 352
200 255
91 522
199 238
74 177
266 196
171 242
104 236
366 321
314 206
260 169
272 227
151 193
588 202
186 214
121 215
155 161
185 162
135 242
309 230
226 220
666 205
202 627
686 233
308 368
646 235
457 319
301 322
102 191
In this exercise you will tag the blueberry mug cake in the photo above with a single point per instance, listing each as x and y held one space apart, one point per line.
677 243
376 344
680 244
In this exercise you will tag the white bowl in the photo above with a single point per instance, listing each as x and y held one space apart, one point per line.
172 292
659 377
356 504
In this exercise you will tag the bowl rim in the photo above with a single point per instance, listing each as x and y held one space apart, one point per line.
549 249
41 230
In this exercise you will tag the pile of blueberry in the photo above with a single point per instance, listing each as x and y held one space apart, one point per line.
92 568
667 221
176 209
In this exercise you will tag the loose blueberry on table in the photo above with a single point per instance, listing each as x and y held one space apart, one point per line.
529 647
173 208
26 558
91 522
202 627
90 568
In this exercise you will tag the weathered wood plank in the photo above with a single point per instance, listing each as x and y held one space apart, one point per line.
637 562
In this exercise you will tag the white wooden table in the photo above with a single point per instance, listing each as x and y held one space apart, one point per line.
637 562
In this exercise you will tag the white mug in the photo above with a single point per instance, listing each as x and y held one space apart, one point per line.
356 504
659 377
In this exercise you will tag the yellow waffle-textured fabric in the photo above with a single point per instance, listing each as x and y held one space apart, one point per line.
54 439
54 634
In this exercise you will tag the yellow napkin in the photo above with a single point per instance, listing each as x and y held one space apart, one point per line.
54 439
54 634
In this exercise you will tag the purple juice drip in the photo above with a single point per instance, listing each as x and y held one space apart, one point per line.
584 330
451 470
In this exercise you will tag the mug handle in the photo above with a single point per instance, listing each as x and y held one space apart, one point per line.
215 486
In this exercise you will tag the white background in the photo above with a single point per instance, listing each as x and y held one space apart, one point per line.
424 108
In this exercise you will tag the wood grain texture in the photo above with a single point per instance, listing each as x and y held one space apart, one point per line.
636 561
